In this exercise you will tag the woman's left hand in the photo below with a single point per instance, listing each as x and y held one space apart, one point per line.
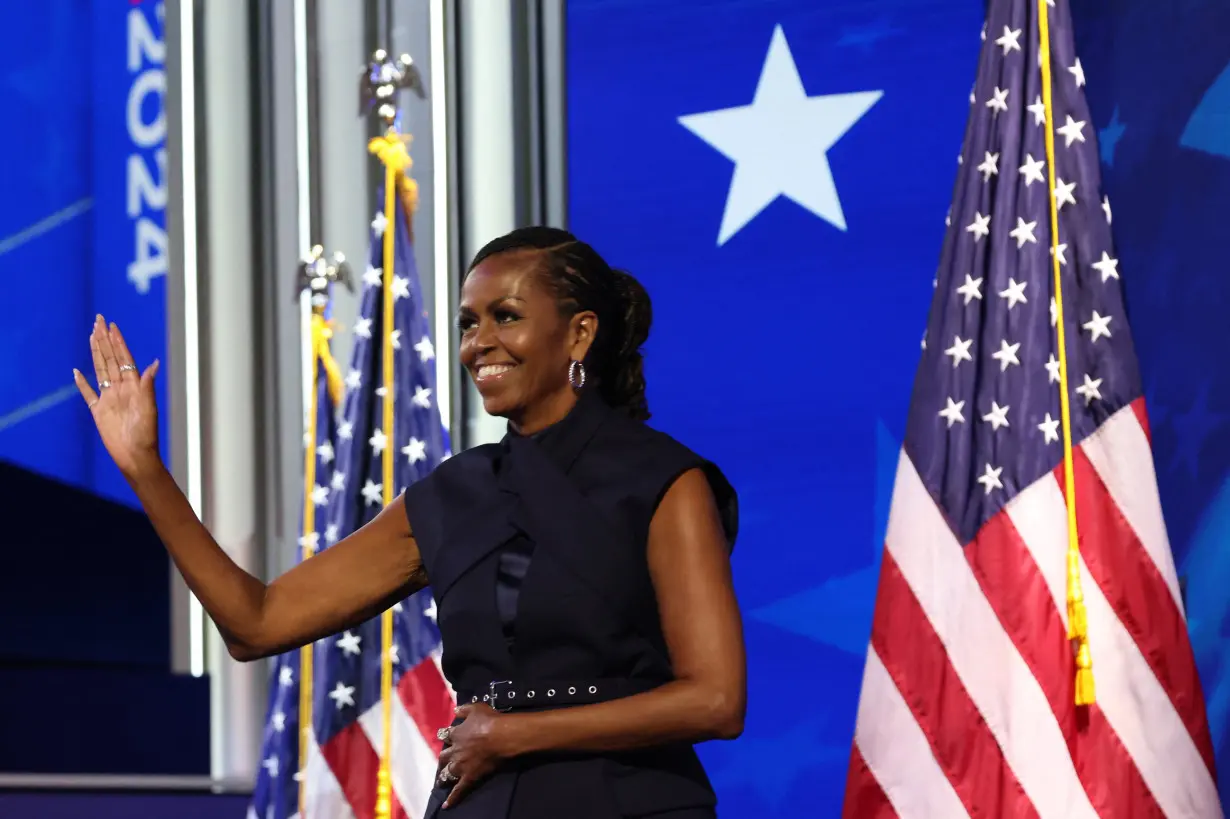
471 750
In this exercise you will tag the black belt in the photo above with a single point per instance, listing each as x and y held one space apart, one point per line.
506 695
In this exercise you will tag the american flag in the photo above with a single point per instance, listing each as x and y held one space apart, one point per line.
275 793
347 735
967 705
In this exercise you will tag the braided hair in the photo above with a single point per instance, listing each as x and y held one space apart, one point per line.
582 280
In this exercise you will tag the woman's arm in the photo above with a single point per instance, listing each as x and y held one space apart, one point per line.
352 581
344 585
689 562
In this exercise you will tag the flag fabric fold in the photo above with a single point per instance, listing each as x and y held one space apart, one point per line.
276 790
348 720
346 739
968 702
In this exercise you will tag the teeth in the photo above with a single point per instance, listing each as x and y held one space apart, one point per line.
489 370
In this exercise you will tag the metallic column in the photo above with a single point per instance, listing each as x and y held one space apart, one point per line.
511 128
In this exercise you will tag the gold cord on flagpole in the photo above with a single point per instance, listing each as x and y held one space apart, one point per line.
391 149
321 356
1077 626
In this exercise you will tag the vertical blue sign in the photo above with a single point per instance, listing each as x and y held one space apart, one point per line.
130 253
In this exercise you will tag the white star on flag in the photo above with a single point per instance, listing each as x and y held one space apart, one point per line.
373 276
1098 326
1038 109
325 452
1050 429
981 226
1108 267
401 288
1052 370
425 350
952 412
378 441
1032 170
378 223
1078 72
959 351
342 695
1010 40
972 289
1015 293
422 397
999 100
1006 355
363 328
415 450
320 495
1071 131
990 478
373 493
779 141
989 166
349 643
1023 232
997 417
1089 390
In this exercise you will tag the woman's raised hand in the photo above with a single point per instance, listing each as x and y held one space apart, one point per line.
124 408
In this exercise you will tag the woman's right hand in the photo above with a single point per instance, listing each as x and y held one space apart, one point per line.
124 409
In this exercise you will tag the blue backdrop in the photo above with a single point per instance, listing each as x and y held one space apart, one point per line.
787 328
82 169
82 220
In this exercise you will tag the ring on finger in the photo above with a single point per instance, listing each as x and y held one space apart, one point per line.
104 384
443 734
124 367
447 775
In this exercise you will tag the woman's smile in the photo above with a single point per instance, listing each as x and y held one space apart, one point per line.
492 373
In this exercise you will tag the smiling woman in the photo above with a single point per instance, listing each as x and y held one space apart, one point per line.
544 297
581 566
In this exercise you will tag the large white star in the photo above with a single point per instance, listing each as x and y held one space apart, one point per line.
779 142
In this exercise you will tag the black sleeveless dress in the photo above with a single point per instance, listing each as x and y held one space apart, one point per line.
536 550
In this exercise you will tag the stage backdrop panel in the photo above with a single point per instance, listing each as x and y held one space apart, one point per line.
82 224
1159 93
789 307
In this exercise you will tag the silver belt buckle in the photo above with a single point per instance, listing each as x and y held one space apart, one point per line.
493 695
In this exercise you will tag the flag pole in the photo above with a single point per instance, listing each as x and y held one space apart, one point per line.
315 278
380 84
1078 630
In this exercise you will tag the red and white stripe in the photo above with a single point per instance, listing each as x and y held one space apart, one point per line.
967 701
341 775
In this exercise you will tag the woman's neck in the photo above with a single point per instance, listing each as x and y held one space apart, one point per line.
547 412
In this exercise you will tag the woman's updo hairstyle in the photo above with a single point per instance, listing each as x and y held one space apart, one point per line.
582 280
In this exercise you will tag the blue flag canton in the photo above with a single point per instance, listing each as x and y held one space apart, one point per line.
348 680
985 420
275 793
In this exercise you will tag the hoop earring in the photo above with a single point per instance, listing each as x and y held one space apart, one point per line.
575 367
